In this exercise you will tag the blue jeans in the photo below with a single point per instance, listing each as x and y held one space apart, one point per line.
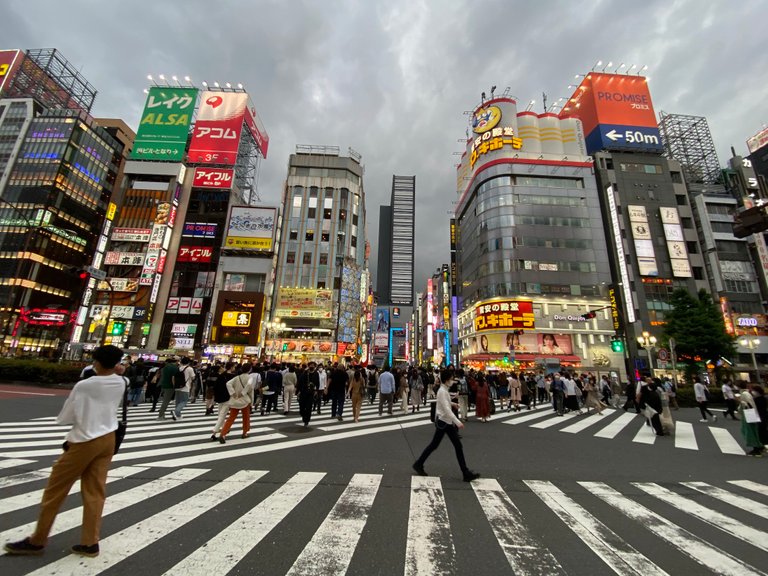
181 400
134 395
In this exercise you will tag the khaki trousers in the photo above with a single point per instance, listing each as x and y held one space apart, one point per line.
89 463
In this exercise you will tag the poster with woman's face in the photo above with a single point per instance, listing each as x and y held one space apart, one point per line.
545 343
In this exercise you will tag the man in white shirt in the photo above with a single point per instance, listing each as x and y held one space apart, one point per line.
446 422
91 409
181 395
323 379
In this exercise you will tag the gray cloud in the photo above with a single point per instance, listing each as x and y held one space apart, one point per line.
392 79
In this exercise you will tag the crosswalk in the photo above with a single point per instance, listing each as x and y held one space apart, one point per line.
617 424
169 444
196 521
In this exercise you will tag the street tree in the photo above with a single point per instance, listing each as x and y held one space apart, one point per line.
697 326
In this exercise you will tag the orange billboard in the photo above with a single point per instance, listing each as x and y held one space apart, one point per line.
9 61
616 112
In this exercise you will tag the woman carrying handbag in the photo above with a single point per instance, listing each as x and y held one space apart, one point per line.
750 421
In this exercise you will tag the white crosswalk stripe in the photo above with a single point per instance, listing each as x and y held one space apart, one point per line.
180 501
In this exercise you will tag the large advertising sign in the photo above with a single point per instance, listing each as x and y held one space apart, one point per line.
165 124
616 111
9 61
545 344
753 144
504 314
256 128
213 178
382 320
217 128
131 234
199 230
250 228
194 254
304 303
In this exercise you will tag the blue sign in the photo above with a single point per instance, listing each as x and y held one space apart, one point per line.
619 137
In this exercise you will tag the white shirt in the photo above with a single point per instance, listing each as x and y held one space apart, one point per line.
698 391
443 407
728 392
91 407
323 379
570 387
189 376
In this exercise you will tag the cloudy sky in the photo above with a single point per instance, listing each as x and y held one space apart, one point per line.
392 79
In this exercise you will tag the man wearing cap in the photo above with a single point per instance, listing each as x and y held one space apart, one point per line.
91 410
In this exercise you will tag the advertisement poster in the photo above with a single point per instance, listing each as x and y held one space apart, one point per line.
304 303
216 136
250 228
164 124
546 344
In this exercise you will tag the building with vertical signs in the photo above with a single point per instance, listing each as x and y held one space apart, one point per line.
58 172
322 280
651 233
528 245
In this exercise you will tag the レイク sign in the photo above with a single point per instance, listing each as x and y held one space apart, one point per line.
164 125
504 314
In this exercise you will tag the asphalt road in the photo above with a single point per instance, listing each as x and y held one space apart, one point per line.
557 496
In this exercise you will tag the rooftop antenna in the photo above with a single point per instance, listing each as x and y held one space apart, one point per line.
544 100
493 89
482 97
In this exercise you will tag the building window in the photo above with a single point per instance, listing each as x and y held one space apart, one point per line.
325 237
677 177
698 272
307 257
687 223
327 213
293 235
323 258
290 258
309 236
321 285
692 247
311 213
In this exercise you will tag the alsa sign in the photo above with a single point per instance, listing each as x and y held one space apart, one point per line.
213 178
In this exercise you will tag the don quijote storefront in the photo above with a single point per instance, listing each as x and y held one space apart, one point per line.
503 334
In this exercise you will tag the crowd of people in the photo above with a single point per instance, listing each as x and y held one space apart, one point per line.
233 389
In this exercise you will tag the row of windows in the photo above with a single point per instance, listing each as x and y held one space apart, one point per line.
525 288
509 221
644 168
509 265
532 181
324 173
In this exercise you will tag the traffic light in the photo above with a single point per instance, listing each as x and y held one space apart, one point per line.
588 315
506 358
617 345
118 328
285 346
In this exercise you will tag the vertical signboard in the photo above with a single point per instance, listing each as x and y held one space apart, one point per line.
616 111
9 60
218 127
678 251
164 125
641 232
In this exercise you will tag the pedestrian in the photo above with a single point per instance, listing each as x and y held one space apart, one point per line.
503 391
137 375
240 390
167 390
557 388
541 388
337 390
402 390
446 422
671 389
181 396
571 394
153 386
591 400
463 396
730 399
386 390
631 392
513 392
416 384
322 378
211 376
289 388
482 398
355 392
760 403
221 396
605 391
274 382
701 392
372 383
308 391
649 397
91 410
750 429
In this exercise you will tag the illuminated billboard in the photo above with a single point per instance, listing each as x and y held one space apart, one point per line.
164 125
616 111
504 314
213 178
219 123
753 144
250 228
304 303
9 62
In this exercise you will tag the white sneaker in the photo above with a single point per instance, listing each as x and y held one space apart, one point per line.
704 420
714 418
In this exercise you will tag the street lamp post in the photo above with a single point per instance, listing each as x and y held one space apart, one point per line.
648 342
752 343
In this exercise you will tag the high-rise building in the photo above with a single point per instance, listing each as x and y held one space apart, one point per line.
530 247
58 171
396 240
384 264
322 271
646 208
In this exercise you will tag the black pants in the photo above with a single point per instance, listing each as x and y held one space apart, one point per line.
317 401
730 403
271 403
305 408
153 394
704 410
337 403
542 393
441 429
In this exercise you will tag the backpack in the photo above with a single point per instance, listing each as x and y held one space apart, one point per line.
371 379
463 387
179 379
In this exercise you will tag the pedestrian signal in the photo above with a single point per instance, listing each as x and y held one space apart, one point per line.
617 345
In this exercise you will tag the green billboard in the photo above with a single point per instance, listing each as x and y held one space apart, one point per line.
164 125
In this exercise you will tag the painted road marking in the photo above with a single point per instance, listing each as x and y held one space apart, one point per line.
684 436
645 435
726 442
749 485
613 429
729 498
429 545
554 420
586 422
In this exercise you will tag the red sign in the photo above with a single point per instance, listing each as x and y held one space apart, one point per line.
504 314
194 254
46 316
219 122
616 99
213 178
9 62
256 128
